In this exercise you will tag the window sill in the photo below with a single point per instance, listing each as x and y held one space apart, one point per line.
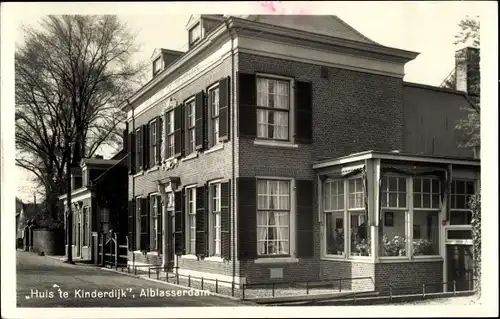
190 156
214 258
349 260
271 143
407 260
215 148
155 168
276 260
191 257
139 174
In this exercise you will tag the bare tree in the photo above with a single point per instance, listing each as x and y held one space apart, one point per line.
70 75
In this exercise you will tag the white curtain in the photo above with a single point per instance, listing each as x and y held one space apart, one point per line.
281 221
262 231
262 123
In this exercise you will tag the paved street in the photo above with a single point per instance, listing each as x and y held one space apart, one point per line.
82 284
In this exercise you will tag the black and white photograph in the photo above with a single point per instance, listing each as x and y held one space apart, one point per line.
260 158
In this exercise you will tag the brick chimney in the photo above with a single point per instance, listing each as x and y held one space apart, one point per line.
467 71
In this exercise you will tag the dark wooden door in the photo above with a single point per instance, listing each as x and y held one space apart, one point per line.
170 239
460 267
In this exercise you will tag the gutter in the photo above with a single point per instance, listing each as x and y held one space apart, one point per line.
232 133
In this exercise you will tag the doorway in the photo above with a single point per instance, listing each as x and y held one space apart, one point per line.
460 267
170 239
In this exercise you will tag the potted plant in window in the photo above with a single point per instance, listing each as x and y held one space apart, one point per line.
422 247
363 247
339 241
395 246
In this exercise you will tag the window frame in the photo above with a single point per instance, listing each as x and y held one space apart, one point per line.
291 213
213 212
190 217
289 110
170 135
191 39
214 140
422 193
152 143
138 153
465 210
155 228
333 213
157 67
190 129
397 210
138 230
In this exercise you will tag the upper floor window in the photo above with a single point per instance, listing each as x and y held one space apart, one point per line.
214 112
426 192
273 108
195 34
156 66
191 122
153 149
170 134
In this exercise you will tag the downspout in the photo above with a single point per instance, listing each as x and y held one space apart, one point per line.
133 180
233 126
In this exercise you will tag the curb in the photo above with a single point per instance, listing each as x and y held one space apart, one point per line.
175 285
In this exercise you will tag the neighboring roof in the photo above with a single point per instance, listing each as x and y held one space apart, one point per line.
396 156
98 162
440 90
329 25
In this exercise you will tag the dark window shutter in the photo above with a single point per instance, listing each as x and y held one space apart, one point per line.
145 146
225 219
159 228
303 114
224 102
131 153
207 143
179 223
178 131
159 139
201 221
139 141
247 217
199 120
144 243
131 225
247 101
305 217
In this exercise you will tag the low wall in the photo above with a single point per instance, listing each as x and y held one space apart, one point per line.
48 241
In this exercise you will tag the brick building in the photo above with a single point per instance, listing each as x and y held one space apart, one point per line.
236 146
98 202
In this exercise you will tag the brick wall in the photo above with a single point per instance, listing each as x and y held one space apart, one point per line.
208 166
352 112
50 242
409 276
330 269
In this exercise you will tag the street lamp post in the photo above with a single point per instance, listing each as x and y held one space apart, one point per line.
69 215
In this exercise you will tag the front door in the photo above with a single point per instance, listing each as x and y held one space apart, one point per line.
170 239
460 267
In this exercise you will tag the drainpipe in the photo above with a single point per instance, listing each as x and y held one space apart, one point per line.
133 178
233 130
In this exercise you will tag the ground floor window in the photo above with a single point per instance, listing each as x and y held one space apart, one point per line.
425 233
394 233
191 220
273 217
334 233
360 243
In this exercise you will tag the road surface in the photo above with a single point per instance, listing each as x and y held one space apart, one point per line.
45 282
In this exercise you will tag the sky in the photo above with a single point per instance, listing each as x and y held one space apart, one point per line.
424 27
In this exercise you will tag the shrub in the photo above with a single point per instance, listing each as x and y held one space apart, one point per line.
475 206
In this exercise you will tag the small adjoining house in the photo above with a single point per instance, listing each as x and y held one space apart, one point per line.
98 201
290 148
